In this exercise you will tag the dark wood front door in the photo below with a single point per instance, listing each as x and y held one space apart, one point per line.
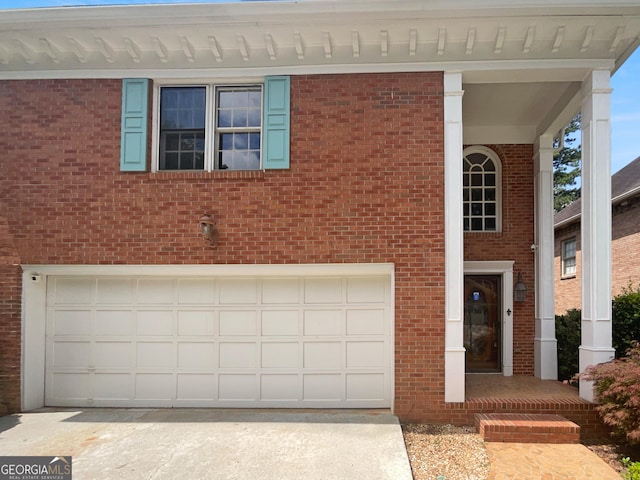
482 323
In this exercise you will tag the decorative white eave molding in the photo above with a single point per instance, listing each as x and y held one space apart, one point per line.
312 35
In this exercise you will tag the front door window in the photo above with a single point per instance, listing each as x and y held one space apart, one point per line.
482 322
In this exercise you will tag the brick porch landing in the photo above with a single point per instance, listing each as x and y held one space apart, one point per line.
490 393
481 385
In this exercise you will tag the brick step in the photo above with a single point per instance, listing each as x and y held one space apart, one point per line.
526 428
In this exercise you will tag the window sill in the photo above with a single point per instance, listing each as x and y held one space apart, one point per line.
476 233
202 175
568 277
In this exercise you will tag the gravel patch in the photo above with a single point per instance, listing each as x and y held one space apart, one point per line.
446 452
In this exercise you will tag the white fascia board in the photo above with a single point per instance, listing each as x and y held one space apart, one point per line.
227 270
625 195
567 221
498 66
259 11
499 134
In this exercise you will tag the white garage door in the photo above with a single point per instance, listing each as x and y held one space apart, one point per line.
219 342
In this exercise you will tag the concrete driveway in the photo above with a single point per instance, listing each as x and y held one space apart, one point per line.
213 444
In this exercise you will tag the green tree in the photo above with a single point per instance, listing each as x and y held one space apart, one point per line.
566 167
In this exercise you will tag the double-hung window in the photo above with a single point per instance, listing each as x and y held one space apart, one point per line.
210 127
569 257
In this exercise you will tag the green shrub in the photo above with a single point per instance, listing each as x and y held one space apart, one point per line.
568 335
617 390
625 325
626 319
633 469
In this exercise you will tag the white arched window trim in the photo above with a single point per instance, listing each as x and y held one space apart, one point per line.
493 156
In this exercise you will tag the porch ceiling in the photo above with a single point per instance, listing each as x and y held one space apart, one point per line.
519 58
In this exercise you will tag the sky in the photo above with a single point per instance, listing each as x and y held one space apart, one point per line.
625 99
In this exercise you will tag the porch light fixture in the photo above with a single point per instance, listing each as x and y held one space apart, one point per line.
520 290
209 229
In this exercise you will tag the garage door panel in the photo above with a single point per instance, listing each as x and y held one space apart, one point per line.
237 387
73 322
72 354
238 355
365 354
112 386
323 290
365 386
323 322
234 323
280 291
323 355
75 291
115 291
155 354
280 355
206 342
155 323
238 291
113 354
197 356
365 322
155 386
196 323
72 386
284 387
197 291
280 322
155 291
115 323
323 387
197 387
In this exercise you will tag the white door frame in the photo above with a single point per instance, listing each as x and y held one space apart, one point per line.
504 268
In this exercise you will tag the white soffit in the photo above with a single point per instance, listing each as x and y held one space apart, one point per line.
309 36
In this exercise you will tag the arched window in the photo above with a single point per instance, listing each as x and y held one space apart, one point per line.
481 190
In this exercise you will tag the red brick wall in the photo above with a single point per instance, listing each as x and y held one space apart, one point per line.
10 318
365 185
568 290
625 248
513 243
625 256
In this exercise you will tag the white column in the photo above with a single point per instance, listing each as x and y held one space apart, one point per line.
596 224
545 344
454 358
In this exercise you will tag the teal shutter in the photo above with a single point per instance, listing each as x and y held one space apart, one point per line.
133 134
275 146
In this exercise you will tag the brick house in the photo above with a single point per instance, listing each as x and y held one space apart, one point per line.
312 204
625 243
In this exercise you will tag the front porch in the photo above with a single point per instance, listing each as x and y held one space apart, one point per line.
495 393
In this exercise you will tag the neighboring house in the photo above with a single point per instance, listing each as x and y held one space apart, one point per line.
374 179
625 245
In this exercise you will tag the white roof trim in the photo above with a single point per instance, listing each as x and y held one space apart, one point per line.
315 35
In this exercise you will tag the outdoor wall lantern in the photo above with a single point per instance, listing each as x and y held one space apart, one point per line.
520 290
209 229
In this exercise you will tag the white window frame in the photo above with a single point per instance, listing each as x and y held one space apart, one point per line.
210 148
493 156
563 257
